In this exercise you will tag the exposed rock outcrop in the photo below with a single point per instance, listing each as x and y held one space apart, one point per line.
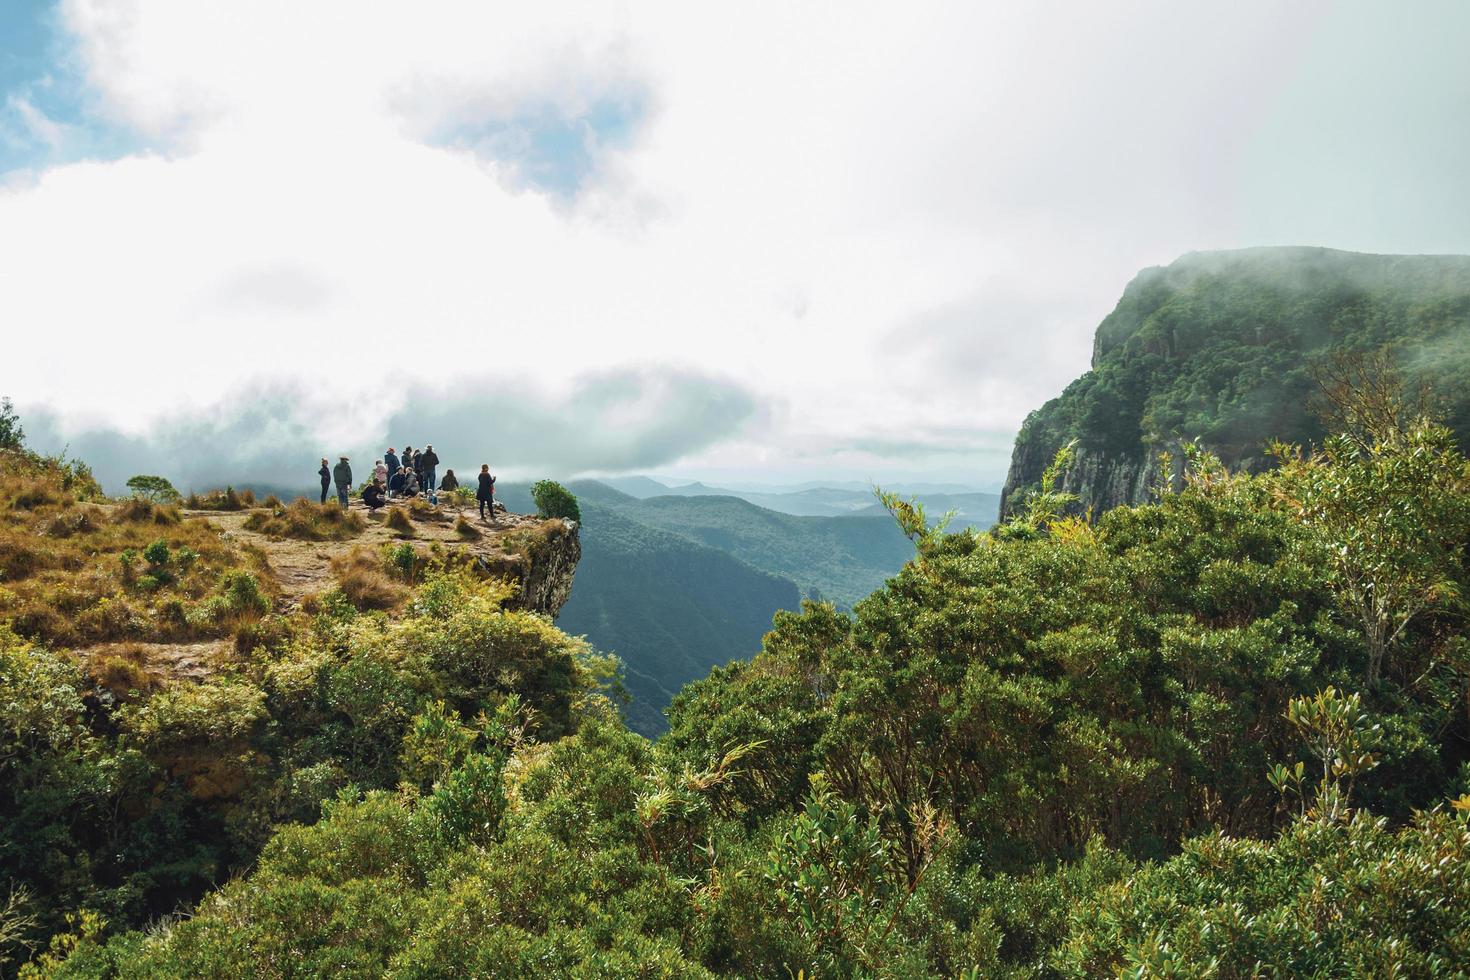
548 567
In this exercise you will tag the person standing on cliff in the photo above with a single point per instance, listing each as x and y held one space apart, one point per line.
390 460
486 493
430 461
326 476
342 476
380 472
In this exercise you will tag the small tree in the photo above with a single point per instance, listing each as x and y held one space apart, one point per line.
554 500
1340 734
154 488
1390 517
12 436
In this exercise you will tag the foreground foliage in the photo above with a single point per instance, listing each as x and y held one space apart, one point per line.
1153 745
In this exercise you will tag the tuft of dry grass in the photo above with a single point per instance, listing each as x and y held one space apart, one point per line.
307 521
136 510
466 530
421 510
365 582
532 542
124 672
226 499
71 522
31 492
398 520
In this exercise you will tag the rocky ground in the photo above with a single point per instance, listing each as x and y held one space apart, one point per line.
303 567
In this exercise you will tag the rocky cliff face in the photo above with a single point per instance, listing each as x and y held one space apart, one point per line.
542 561
1219 348
546 584
1099 481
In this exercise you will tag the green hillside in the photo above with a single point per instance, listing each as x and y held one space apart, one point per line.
1221 346
840 559
669 607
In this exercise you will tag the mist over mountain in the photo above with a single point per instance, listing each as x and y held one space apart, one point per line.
1220 347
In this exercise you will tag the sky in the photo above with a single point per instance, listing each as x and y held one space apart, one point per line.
757 241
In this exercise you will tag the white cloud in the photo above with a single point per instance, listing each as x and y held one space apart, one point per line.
802 184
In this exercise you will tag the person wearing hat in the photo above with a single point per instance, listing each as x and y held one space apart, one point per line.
428 463
342 476
326 476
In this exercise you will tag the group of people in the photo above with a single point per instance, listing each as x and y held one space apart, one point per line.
413 473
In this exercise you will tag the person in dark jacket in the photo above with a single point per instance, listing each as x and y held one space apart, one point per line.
372 495
395 482
486 494
342 476
326 476
429 462
390 460
450 481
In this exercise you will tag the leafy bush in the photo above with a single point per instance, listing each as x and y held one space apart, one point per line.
554 500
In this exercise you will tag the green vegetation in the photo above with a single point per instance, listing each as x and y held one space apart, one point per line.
554 500
125 812
1176 741
1227 347
154 488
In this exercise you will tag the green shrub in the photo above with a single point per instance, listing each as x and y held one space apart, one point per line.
554 500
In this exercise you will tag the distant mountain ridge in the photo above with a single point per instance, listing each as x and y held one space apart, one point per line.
840 559
1219 346
978 508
